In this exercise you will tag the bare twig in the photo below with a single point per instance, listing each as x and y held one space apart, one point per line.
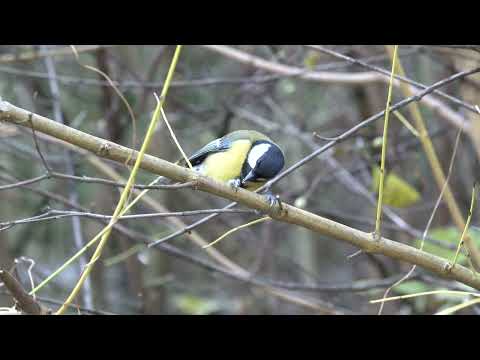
371 119
92 180
378 221
387 74
430 220
34 55
331 77
53 214
78 239
218 257
438 174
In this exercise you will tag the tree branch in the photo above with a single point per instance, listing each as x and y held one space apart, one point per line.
25 302
35 55
288 213
358 78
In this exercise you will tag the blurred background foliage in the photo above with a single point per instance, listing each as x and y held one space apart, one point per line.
212 95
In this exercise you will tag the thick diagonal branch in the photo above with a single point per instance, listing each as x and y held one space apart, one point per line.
289 214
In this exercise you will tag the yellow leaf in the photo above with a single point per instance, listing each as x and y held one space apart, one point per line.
311 60
397 192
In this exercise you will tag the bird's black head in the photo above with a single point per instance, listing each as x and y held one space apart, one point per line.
264 161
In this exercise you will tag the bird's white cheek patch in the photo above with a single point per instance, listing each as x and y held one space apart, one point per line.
256 153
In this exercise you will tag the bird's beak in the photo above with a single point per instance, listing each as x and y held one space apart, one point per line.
249 176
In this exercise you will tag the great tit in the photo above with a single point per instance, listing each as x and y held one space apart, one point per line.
243 158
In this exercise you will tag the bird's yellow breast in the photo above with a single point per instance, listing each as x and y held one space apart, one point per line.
227 165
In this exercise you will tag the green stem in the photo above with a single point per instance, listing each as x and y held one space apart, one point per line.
120 210
384 148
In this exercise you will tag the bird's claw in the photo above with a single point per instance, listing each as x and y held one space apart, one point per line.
235 184
273 200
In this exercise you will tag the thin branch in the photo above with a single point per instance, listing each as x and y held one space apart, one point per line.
78 239
415 98
387 73
332 77
54 214
467 223
217 256
121 207
24 182
430 220
378 220
93 180
438 174
35 55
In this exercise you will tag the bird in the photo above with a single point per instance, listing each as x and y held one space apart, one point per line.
242 158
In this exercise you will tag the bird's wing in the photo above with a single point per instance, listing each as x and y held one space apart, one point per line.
214 146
